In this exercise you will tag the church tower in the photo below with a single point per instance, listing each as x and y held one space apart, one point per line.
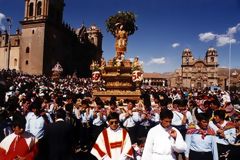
187 57
211 56
95 38
187 63
39 17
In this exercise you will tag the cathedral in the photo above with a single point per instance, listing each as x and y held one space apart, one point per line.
44 40
198 73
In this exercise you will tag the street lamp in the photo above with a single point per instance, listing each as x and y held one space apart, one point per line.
229 63
9 23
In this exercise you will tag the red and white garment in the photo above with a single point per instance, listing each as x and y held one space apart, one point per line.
18 145
113 145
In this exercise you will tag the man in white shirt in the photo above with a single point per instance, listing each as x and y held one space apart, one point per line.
130 121
163 140
225 133
35 122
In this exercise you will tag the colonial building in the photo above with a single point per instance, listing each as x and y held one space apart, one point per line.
154 79
197 73
45 40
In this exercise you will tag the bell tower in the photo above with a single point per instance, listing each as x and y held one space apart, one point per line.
211 56
40 17
52 10
187 57
187 62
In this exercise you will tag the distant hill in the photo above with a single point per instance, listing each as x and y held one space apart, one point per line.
225 71
221 72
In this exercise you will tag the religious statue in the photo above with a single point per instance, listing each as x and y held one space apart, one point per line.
56 71
57 68
121 25
121 40
94 66
119 61
136 65
103 63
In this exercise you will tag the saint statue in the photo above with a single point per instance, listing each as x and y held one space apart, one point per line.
121 25
121 40
103 63
57 68
136 64
56 71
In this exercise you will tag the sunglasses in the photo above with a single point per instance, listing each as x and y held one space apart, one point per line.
113 122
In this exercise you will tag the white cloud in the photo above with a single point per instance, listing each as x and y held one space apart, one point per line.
224 39
221 39
205 37
233 30
2 17
174 45
131 59
157 61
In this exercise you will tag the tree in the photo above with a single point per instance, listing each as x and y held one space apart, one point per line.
127 19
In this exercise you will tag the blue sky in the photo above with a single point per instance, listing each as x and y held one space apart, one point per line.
166 27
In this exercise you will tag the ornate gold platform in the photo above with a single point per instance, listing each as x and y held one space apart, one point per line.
118 82
120 94
119 77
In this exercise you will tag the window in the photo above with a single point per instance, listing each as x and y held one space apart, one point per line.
33 31
15 62
26 62
212 59
39 8
31 9
27 50
17 42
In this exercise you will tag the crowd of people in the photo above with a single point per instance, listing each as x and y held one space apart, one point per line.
60 120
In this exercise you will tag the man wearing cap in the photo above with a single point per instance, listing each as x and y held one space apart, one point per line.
113 143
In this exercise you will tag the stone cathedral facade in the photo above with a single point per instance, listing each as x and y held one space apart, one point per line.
44 39
198 73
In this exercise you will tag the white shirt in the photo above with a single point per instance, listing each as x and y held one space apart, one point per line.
35 125
178 117
131 120
161 146
230 134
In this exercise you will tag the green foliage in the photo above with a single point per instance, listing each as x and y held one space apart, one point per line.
127 19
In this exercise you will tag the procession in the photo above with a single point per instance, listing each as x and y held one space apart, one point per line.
65 120
71 93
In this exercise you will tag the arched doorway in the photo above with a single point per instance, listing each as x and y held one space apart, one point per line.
199 85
